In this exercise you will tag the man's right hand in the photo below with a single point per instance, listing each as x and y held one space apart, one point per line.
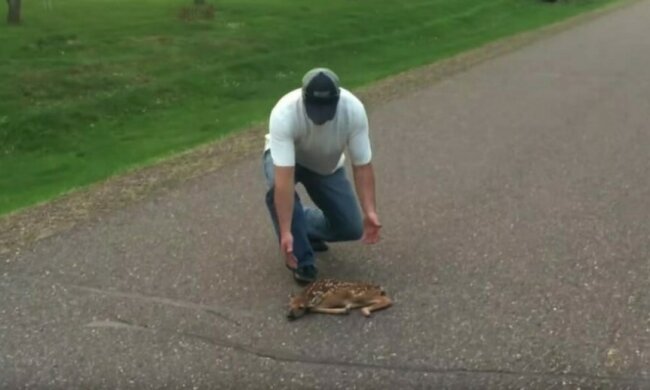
286 247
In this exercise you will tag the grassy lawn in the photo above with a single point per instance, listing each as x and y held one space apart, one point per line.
92 88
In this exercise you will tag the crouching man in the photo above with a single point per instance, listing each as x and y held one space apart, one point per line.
309 130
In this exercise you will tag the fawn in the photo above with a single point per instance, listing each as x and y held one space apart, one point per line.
335 297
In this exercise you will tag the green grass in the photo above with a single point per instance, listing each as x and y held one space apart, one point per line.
92 88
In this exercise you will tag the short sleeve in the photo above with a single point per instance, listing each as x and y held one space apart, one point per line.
359 141
281 140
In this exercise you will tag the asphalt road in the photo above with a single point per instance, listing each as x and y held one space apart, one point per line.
515 199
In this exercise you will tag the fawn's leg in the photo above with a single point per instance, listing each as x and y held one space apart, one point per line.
377 304
343 310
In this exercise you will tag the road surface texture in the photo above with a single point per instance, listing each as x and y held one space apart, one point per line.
515 198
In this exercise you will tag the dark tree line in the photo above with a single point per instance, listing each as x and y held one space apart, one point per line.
13 11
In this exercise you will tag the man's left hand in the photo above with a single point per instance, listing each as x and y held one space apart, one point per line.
371 228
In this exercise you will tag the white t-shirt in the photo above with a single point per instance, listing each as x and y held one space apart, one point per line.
294 139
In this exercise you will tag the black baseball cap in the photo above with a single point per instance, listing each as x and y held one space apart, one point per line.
320 92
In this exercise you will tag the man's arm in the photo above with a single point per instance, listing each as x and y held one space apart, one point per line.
283 195
364 181
281 145
364 175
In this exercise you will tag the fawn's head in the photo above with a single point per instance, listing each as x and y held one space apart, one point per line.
297 306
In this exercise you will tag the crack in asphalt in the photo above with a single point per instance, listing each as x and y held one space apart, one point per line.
293 358
284 357
287 357
160 300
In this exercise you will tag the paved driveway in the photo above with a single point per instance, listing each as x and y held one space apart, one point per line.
516 203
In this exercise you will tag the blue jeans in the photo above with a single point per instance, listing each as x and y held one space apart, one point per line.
337 217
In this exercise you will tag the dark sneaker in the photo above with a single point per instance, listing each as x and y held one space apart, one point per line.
318 245
305 274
